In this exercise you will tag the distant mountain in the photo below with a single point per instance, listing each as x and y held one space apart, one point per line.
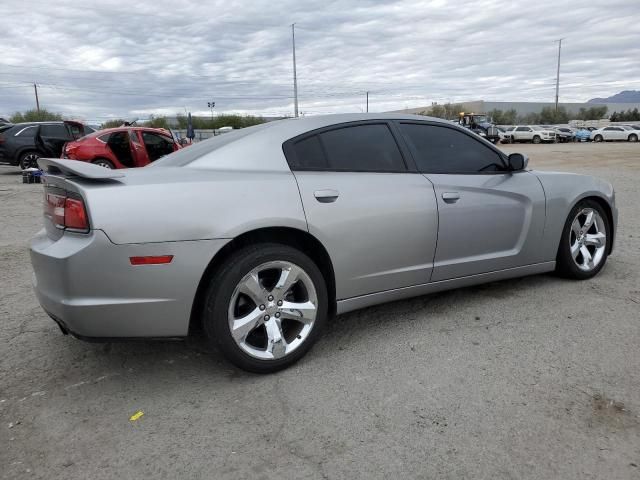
626 96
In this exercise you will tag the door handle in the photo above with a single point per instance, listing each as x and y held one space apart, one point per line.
450 197
326 196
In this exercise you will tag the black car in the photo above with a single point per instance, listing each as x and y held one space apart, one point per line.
23 143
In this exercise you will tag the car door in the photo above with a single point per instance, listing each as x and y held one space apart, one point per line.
157 145
523 133
138 151
51 138
376 216
619 133
489 218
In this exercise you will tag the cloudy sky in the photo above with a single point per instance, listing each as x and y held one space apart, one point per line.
137 58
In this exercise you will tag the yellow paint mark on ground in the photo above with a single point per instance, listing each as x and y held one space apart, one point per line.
136 416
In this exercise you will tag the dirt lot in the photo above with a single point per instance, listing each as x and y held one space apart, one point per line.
532 378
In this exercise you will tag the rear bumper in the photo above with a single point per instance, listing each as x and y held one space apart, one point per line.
87 284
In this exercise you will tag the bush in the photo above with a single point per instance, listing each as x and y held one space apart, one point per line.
34 116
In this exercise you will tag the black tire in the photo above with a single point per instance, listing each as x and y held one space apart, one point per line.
597 138
103 162
536 139
220 291
633 137
565 266
28 159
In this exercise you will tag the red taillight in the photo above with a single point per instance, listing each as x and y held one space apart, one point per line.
66 212
154 260
75 215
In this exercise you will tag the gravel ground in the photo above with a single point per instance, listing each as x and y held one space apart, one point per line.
531 378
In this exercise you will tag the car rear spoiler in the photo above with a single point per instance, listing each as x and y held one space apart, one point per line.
75 168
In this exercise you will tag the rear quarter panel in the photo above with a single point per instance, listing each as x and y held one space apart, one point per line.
175 204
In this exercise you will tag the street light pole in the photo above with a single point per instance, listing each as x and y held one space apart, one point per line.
295 78
367 102
211 105
558 71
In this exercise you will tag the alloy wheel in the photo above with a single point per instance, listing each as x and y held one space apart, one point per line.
102 163
30 160
272 310
588 239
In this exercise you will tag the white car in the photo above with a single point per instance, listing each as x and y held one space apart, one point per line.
532 133
617 132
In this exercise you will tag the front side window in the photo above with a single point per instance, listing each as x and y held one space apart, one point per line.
157 145
53 131
358 148
447 150
522 129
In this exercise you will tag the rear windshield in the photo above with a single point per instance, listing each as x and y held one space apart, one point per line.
4 128
189 154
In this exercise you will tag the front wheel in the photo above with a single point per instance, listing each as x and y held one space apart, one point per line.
584 245
537 139
265 307
597 138
633 137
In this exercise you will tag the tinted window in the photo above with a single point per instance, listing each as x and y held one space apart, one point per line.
522 129
362 148
27 132
447 150
308 154
157 145
55 131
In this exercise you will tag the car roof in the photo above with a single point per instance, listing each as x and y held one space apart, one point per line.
261 145
99 133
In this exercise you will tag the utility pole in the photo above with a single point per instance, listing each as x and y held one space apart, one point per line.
35 88
558 71
367 102
295 78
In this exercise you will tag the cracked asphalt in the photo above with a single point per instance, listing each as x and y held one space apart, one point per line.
531 378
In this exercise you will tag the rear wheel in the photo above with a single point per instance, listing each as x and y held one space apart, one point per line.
28 159
597 138
265 307
103 162
537 139
583 247
633 137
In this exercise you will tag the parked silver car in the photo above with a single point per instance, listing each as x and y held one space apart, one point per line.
259 235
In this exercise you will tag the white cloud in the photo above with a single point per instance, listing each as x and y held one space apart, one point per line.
126 59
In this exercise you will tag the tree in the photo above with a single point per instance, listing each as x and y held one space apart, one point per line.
113 123
593 113
503 118
448 111
34 116
553 116
156 122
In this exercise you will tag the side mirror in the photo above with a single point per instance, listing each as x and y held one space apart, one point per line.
518 161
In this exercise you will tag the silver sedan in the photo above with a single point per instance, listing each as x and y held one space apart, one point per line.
260 235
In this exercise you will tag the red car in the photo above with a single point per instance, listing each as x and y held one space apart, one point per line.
123 147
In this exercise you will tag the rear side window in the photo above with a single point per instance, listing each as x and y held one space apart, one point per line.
361 148
309 155
448 150
27 132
